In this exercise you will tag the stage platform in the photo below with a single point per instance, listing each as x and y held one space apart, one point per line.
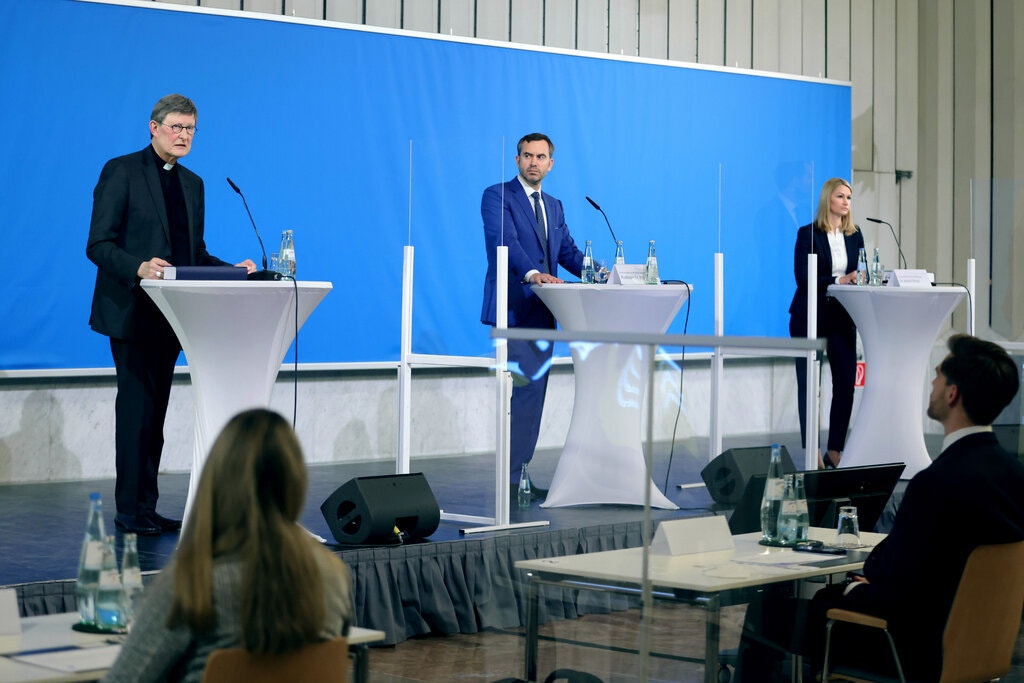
451 583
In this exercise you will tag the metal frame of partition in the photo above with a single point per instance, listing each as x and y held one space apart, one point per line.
503 390
722 346
773 349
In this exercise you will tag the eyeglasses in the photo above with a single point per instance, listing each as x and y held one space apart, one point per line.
177 128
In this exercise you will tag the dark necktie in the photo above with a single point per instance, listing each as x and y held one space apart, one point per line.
540 223
540 213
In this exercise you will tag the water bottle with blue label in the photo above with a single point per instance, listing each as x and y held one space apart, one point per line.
788 522
90 562
876 270
525 488
131 579
286 254
110 594
803 517
587 274
771 501
651 268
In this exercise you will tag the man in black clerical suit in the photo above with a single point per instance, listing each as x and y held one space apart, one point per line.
148 213
971 495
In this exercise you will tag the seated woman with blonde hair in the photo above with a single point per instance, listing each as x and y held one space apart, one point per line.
246 574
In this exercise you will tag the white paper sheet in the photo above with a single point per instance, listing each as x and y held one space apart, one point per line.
784 557
73 660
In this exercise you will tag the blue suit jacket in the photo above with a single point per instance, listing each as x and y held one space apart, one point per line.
804 236
509 220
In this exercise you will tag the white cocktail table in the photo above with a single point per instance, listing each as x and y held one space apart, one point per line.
898 327
234 335
602 461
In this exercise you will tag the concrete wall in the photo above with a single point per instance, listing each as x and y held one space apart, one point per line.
55 429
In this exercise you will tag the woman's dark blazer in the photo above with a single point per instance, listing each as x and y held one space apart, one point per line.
805 237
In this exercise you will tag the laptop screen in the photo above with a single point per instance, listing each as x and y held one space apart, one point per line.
868 488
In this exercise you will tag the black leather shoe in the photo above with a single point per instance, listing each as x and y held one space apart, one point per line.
165 523
136 524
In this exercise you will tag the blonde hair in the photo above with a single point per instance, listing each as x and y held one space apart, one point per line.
250 495
821 222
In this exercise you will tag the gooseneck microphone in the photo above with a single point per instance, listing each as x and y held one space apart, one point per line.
594 204
259 274
895 238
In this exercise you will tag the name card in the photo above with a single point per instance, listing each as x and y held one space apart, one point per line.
628 274
10 621
910 278
691 536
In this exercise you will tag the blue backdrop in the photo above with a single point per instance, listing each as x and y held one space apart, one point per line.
363 142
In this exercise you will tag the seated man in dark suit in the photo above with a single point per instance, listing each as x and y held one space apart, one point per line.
971 495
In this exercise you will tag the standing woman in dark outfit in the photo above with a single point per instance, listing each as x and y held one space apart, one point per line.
836 242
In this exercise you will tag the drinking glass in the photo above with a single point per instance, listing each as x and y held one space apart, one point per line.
274 263
848 528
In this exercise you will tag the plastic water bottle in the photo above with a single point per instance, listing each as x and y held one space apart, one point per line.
525 488
286 254
90 562
876 270
620 255
110 595
131 578
803 517
862 267
771 501
587 273
651 269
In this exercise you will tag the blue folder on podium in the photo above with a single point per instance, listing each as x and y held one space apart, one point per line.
205 273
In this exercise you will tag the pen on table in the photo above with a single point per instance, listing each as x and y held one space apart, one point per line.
42 651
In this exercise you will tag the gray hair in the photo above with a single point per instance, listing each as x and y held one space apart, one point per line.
172 104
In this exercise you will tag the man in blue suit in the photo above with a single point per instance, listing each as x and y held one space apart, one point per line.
531 223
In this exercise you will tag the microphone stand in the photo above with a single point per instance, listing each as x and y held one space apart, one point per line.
264 274
894 237
594 204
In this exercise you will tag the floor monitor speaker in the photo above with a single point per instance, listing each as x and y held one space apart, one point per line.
727 475
374 510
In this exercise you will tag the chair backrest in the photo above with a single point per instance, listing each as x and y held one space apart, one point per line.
983 623
325 662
